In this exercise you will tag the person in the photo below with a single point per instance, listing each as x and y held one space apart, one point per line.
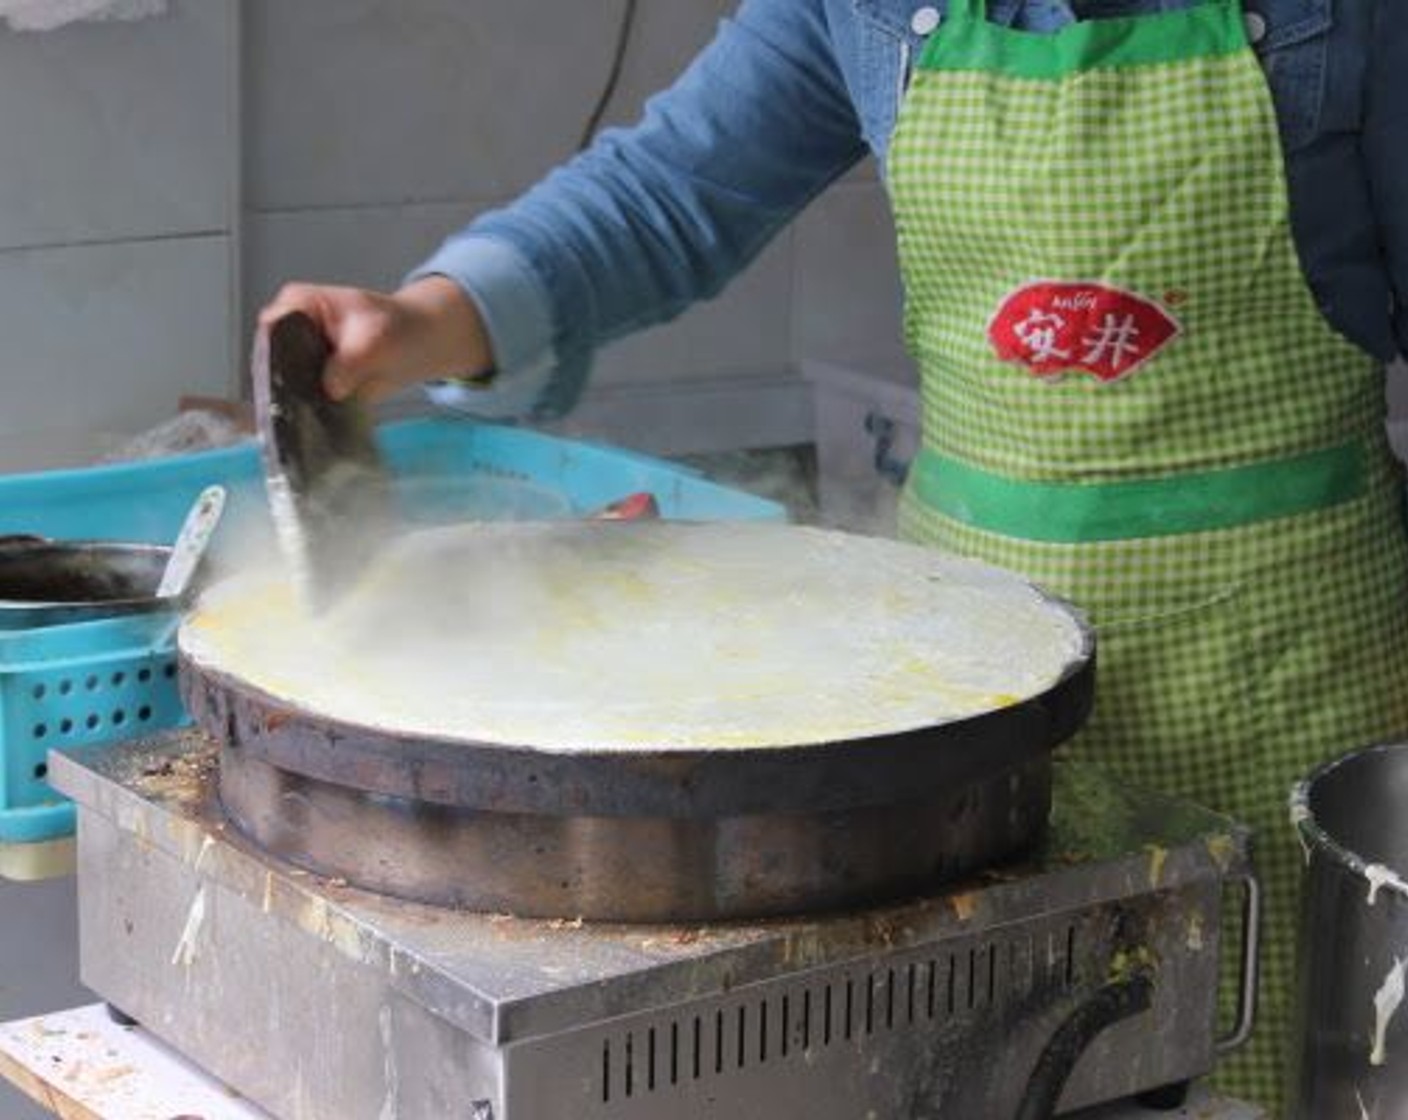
1155 255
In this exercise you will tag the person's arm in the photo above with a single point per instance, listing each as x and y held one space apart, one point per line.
1386 150
384 343
627 234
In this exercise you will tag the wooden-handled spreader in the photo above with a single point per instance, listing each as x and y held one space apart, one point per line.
329 491
331 495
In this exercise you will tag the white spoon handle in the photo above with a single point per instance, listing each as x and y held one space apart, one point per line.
190 545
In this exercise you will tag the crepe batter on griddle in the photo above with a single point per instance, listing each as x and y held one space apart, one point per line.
592 637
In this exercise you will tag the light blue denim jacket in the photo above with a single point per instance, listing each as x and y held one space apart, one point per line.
791 93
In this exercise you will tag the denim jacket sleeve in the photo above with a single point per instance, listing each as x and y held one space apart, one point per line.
652 218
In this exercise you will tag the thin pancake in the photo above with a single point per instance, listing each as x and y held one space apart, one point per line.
595 637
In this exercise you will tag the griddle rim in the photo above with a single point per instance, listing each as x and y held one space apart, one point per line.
495 777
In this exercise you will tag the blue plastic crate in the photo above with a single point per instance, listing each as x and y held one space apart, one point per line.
82 685
96 683
148 501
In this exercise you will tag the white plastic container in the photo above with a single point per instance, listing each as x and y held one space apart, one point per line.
867 432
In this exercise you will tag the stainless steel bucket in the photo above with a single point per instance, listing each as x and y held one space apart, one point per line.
1352 1040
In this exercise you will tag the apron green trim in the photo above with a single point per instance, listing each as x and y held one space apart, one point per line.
968 41
1071 513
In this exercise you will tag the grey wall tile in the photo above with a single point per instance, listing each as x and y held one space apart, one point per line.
747 329
370 247
104 338
848 305
366 101
665 36
115 130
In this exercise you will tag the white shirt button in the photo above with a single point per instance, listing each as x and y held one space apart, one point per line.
925 21
1256 27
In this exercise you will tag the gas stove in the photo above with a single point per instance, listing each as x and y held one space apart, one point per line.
1096 954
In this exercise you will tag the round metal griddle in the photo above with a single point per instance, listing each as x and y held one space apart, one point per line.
667 829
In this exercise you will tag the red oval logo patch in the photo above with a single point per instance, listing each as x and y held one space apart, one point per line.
1054 328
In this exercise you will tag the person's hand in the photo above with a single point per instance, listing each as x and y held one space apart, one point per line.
382 344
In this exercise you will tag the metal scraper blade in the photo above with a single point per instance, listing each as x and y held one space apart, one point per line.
329 492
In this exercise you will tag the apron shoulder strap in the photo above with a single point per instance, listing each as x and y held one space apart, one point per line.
978 9
968 10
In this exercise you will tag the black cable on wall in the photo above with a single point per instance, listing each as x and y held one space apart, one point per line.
613 77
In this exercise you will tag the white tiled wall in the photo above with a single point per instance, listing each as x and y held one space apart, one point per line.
116 131
368 246
743 331
102 338
115 199
368 102
846 306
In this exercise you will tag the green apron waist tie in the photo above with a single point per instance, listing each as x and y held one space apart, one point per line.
1195 502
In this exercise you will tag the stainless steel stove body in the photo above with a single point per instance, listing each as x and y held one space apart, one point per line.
321 1002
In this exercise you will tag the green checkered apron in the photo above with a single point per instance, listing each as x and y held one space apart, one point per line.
1130 396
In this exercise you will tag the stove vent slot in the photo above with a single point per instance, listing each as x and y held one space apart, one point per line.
838 1008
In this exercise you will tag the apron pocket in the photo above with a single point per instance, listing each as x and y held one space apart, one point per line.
1173 697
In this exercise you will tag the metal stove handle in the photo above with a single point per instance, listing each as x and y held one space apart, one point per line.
1251 966
1118 1000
